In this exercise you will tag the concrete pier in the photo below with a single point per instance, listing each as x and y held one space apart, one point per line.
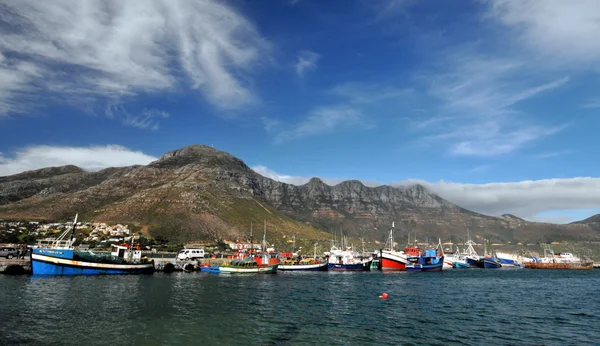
15 266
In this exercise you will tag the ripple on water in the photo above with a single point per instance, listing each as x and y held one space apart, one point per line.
463 307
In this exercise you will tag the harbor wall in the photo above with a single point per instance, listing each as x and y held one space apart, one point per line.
15 266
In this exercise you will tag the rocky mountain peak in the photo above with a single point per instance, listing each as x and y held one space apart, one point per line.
199 154
195 150
315 182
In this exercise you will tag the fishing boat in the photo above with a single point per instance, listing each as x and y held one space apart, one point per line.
299 264
247 266
389 258
489 262
60 257
347 260
289 262
249 261
468 258
562 260
430 261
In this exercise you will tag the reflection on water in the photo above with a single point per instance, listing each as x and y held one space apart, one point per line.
454 307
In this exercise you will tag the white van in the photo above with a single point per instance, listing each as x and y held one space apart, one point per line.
190 254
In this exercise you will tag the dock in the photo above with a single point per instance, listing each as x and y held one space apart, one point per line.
168 265
15 266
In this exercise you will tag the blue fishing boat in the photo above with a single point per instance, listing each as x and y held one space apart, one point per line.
430 261
59 257
209 269
489 262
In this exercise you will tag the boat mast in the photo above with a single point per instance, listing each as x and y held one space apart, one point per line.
251 242
264 242
73 229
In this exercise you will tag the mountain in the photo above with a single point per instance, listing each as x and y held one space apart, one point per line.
592 222
200 193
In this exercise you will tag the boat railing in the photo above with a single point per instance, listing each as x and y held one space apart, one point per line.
55 243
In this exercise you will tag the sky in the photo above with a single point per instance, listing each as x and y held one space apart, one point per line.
493 105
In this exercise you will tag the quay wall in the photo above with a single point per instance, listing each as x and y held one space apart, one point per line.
15 266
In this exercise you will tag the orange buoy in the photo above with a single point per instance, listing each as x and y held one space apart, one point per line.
384 296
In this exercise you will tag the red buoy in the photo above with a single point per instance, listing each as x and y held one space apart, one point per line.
384 296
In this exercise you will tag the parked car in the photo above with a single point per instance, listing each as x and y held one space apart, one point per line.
9 252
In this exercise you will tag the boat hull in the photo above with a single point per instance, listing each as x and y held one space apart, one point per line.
303 267
426 264
48 265
473 263
462 265
209 269
391 261
271 269
490 263
362 266
417 267
584 266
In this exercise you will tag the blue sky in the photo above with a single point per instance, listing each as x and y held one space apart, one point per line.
493 105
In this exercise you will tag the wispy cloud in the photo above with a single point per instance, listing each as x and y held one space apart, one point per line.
146 119
595 103
307 61
550 154
363 93
114 50
89 158
270 124
530 199
323 120
479 169
478 95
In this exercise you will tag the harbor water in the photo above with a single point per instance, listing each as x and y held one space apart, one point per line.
462 307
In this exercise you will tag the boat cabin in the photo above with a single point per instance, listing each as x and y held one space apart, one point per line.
124 251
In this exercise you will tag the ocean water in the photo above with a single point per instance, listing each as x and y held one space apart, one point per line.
454 307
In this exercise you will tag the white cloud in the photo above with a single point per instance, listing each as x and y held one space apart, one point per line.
114 49
531 199
478 96
323 120
307 61
88 158
565 31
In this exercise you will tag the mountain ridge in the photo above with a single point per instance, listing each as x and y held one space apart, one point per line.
198 192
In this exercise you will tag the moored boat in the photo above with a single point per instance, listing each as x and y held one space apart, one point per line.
289 261
389 258
346 260
489 262
59 257
562 260
430 261
247 266
303 265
